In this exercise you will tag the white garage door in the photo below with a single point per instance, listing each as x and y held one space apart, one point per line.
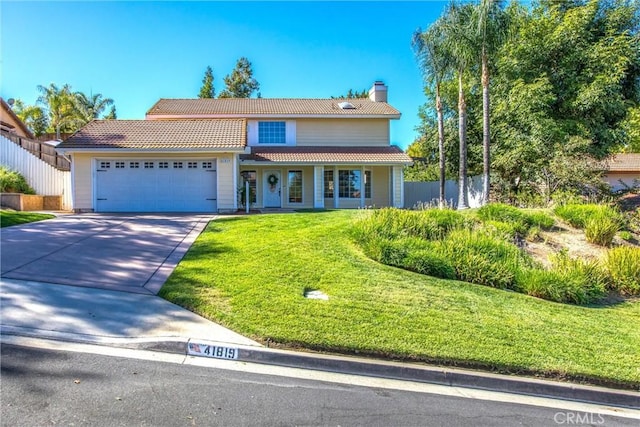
152 185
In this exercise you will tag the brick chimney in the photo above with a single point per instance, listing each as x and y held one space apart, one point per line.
378 92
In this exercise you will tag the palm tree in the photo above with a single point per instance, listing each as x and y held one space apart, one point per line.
90 107
60 107
490 32
435 65
459 43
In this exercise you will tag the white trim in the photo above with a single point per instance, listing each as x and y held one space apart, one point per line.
267 164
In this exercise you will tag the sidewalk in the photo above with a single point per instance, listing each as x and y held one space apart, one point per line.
120 319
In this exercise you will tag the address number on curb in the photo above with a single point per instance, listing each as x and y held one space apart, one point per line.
206 350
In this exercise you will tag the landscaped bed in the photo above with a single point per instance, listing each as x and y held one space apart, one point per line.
11 217
250 274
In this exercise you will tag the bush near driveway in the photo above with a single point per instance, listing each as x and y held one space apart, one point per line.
249 274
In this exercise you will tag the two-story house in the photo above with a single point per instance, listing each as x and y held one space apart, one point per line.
196 155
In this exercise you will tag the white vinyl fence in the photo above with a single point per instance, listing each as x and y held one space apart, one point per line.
416 193
44 178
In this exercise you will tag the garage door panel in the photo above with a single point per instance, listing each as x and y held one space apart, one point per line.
147 185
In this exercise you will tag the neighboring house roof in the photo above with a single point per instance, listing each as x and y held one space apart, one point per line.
269 107
628 162
10 121
159 135
330 155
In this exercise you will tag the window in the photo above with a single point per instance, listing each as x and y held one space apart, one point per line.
328 184
207 165
134 165
349 184
177 165
163 165
148 165
119 165
295 186
272 133
249 176
192 165
105 165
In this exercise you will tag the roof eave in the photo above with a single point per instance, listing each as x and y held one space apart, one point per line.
272 116
71 150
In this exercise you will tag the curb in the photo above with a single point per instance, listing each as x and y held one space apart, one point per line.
358 366
430 374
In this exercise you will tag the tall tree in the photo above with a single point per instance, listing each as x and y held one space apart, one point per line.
59 104
240 83
32 116
112 114
353 94
491 30
459 42
434 62
90 107
207 90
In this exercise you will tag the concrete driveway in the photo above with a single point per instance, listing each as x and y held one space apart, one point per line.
132 253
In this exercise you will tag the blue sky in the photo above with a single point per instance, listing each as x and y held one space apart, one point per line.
138 52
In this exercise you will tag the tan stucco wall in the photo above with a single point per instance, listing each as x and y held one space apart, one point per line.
342 132
380 186
614 178
82 167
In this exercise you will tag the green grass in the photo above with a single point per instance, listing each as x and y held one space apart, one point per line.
8 218
249 274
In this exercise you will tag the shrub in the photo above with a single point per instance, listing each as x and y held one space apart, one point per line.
578 215
505 213
482 259
625 235
541 220
623 267
428 262
584 281
13 182
504 230
601 229
392 223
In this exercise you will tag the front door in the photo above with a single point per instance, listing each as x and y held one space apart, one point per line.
272 183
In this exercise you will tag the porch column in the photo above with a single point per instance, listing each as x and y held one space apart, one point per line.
318 187
336 188
362 185
397 187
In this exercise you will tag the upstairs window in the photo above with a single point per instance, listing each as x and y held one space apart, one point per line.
272 133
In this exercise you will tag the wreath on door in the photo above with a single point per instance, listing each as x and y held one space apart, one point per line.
272 180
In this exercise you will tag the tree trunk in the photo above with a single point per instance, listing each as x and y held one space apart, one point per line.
462 134
441 200
486 137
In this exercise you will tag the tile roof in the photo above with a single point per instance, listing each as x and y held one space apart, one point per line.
331 155
260 107
627 162
160 134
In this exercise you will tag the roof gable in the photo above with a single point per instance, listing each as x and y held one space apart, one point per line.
269 107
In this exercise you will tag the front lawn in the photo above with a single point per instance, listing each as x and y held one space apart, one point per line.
8 217
249 273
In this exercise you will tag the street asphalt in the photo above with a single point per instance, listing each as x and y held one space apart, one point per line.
48 291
